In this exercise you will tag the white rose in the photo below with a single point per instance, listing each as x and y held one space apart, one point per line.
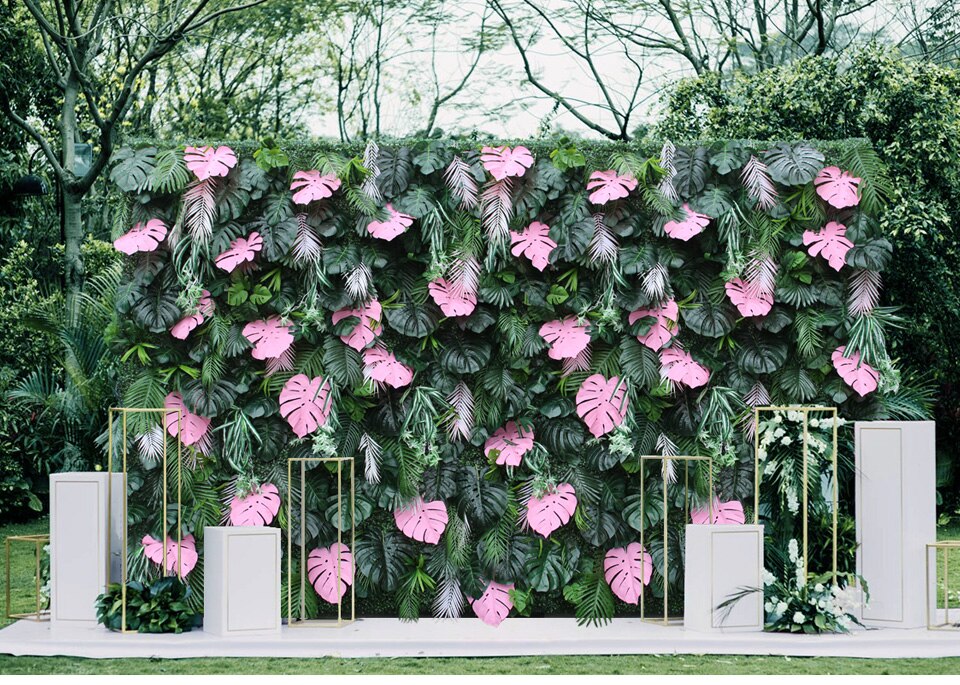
799 618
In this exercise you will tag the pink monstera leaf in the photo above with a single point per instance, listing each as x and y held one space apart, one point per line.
270 338
305 403
241 250
207 162
680 367
724 513
330 571
748 303
382 366
184 326
258 508
534 243
143 237
546 514
838 188
502 161
627 570
367 328
692 224
566 337
451 302
311 186
665 328
607 186
511 442
395 224
602 403
859 375
830 242
180 559
494 604
422 521
192 429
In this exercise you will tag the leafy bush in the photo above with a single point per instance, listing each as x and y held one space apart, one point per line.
162 606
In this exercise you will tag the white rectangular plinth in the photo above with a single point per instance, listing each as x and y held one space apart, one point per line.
78 543
896 517
241 580
720 561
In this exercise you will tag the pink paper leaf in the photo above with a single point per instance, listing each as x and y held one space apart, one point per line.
422 521
665 328
206 162
859 375
395 224
502 162
511 442
607 186
311 186
330 571
269 337
534 243
546 514
627 570
192 428
566 337
680 367
838 188
725 514
451 302
258 508
241 250
747 302
143 237
692 224
180 560
184 326
602 404
494 604
382 366
830 242
367 329
305 403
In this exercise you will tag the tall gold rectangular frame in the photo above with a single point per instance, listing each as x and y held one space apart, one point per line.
666 619
38 541
806 411
124 412
319 622
945 546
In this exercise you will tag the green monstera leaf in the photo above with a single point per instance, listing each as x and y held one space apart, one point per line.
793 165
133 168
483 498
761 355
691 166
465 356
553 566
412 319
709 320
382 557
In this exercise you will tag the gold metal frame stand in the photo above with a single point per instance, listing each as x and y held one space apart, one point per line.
321 622
945 546
124 412
758 473
666 619
38 541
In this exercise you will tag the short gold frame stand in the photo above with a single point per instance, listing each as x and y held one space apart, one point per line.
38 541
758 473
666 619
124 412
933 622
341 462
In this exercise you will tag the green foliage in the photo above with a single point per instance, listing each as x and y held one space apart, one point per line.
162 606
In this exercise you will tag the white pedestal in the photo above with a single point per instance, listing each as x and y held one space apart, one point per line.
896 517
720 561
78 544
241 580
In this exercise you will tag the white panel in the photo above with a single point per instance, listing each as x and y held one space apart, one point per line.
77 545
735 566
250 605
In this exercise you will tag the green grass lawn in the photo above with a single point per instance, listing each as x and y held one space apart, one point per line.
22 575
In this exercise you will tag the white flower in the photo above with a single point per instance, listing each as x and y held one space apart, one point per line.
777 418
768 607
793 504
795 416
762 454
818 587
793 549
770 468
781 607
814 423
798 617
768 578
779 433
786 440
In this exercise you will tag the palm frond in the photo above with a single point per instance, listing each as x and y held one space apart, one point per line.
199 208
460 420
357 282
461 183
307 246
371 155
756 179
372 454
863 291
666 187
496 205
464 276
603 246
761 275
655 282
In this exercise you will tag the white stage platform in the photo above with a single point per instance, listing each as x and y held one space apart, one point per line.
385 637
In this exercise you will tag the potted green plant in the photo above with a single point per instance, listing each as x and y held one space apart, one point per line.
161 606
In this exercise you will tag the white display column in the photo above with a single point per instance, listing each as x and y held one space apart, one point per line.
720 561
896 517
78 544
241 580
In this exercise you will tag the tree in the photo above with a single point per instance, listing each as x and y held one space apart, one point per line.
97 92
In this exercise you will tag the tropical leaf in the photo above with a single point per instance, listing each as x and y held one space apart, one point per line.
793 165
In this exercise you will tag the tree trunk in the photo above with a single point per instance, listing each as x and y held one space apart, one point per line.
71 196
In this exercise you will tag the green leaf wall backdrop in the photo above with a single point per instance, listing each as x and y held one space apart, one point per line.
495 341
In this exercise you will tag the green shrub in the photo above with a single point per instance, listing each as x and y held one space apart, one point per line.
161 606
